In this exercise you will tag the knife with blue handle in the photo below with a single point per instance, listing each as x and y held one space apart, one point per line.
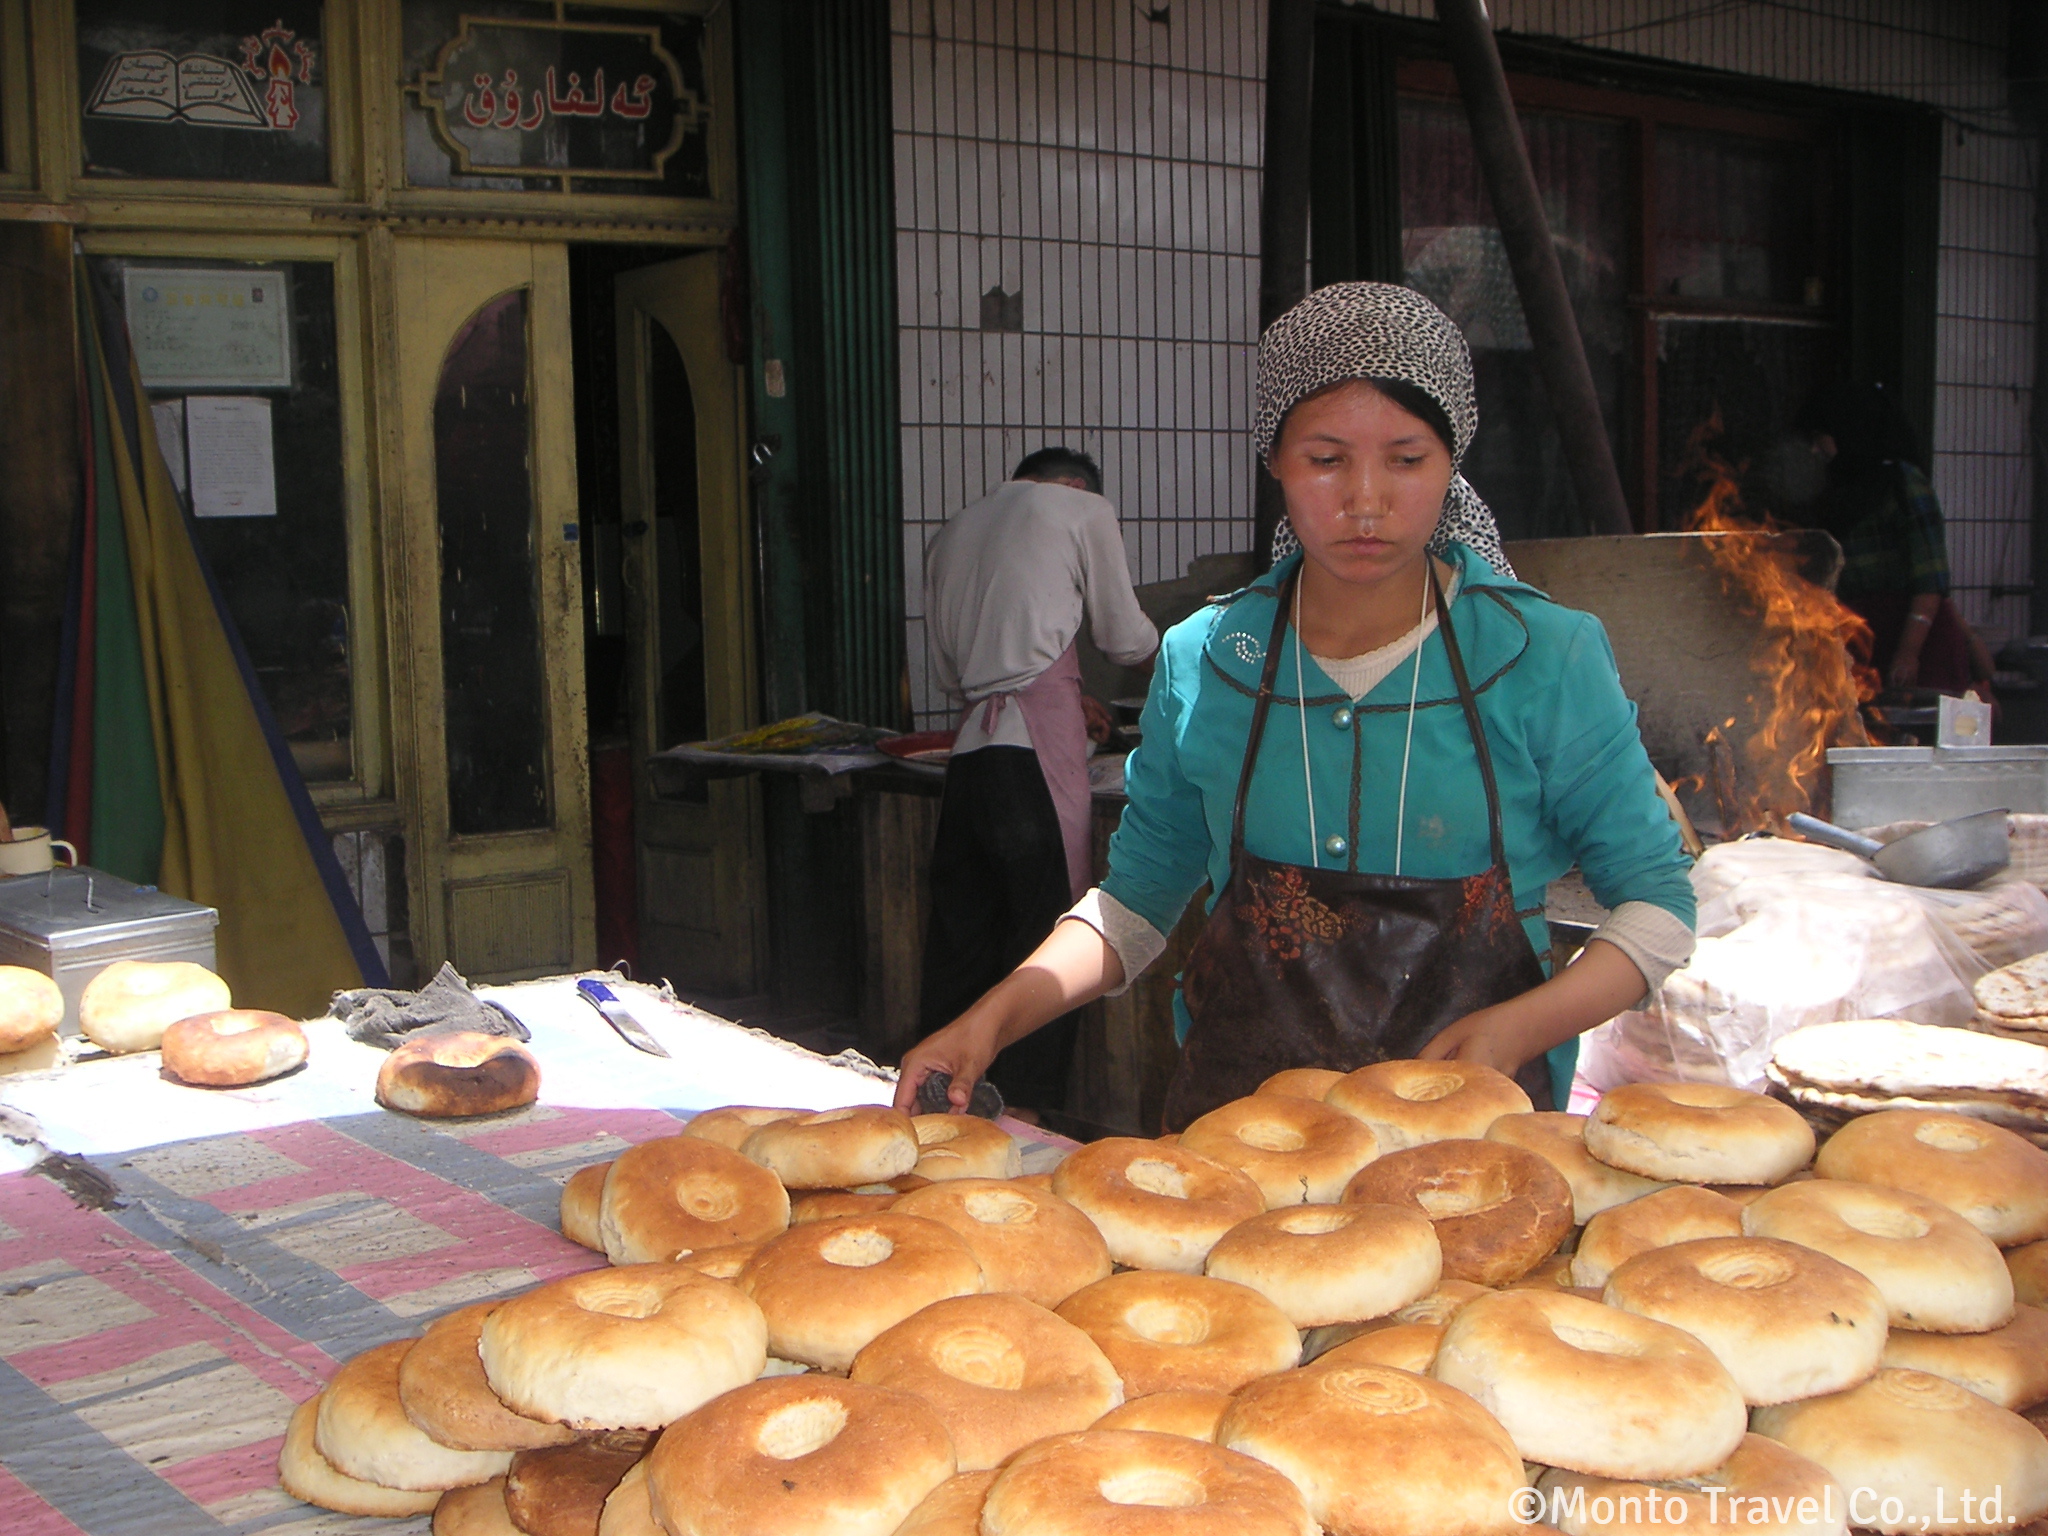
606 1002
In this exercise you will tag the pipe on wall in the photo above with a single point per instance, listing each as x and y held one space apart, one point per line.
1532 256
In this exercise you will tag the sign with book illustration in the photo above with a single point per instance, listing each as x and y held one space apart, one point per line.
577 104
188 90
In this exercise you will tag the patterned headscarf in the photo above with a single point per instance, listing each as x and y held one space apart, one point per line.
1377 331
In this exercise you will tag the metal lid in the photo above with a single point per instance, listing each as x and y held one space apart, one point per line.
1957 756
53 907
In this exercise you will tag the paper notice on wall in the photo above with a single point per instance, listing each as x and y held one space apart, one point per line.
170 438
227 444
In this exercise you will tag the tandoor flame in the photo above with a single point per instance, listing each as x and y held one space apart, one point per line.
1810 661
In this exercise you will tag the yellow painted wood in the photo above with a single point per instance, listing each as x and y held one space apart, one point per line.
473 887
703 898
17 121
365 796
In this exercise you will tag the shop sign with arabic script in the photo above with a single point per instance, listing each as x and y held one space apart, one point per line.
592 100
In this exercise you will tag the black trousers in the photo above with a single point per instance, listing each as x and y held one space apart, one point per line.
999 884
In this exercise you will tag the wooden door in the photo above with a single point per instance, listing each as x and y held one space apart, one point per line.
689 584
491 593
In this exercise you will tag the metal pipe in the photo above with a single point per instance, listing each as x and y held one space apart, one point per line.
1539 280
1283 201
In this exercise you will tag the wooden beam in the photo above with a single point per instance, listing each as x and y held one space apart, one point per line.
1511 182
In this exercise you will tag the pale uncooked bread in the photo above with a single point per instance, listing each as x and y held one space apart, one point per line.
1760 1470
799 1453
129 1005
1296 1150
478 1510
2028 1267
1991 1177
582 1200
1938 1273
232 1049
2008 1365
635 1347
964 1147
1157 1206
951 1509
310 1478
1000 1370
1683 1213
1132 1482
1788 1322
1698 1133
1881 1058
1025 1237
1164 1331
1379 1450
363 1432
441 1386
676 1194
1918 1442
1190 1411
829 1287
837 1148
1560 1140
31 1008
1593 1389
1323 1264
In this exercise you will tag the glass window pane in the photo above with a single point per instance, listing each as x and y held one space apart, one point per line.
284 576
1452 252
203 90
1735 218
1750 376
490 612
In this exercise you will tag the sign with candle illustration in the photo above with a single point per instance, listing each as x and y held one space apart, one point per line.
589 99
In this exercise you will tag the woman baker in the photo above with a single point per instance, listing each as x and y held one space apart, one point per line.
1377 755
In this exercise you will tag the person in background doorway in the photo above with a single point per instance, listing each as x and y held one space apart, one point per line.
1879 506
1008 583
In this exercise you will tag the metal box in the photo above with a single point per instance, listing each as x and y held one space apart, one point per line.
71 924
1877 785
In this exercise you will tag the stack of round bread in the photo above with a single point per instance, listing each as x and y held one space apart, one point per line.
1494 1319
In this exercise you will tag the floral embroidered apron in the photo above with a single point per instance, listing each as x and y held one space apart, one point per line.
1307 967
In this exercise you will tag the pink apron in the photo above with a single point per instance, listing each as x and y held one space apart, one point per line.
1051 703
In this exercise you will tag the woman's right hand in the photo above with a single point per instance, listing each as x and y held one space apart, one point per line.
963 1049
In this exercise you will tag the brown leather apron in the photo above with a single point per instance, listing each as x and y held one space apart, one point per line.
1305 967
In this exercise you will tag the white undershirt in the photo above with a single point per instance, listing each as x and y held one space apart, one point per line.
1359 675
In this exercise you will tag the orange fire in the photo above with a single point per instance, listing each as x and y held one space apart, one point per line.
1810 662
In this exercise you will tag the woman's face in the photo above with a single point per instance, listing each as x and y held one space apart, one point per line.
1364 481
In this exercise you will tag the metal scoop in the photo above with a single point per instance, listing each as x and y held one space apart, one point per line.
1948 855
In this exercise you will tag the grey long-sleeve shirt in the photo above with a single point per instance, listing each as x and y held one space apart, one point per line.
1009 582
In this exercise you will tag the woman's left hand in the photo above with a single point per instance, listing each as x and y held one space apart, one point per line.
1489 1038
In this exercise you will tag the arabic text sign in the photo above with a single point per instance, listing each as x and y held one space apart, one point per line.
227 329
595 100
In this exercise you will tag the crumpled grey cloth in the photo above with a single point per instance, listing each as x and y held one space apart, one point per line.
387 1017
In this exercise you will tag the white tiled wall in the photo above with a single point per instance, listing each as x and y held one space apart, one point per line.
1948 54
1106 166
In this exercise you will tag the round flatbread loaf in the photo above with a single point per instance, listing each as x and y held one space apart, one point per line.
1905 1446
31 1008
1994 1179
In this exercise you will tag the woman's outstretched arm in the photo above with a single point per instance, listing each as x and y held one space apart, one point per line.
1075 965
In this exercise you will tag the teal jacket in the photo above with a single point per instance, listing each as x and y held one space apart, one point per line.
1576 786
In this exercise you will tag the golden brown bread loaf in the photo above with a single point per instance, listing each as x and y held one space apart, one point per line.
457 1074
